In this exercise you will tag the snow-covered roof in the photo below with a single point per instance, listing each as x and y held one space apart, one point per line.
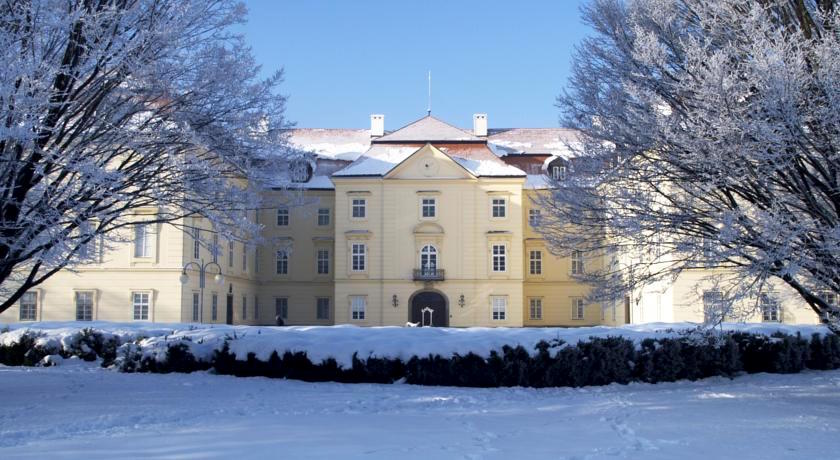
319 183
341 144
519 141
429 129
382 158
537 182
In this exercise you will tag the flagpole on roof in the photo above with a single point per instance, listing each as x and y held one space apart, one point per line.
429 108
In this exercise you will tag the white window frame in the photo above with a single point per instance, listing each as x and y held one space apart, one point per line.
281 261
494 206
359 204
137 308
713 303
318 308
323 217
28 310
577 267
535 310
430 253
534 217
535 263
558 172
428 203
322 261
358 259
771 310
283 217
498 307
498 259
144 241
578 308
91 307
358 307
87 251
281 307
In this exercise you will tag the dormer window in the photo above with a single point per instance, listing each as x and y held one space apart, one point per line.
300 170
558 172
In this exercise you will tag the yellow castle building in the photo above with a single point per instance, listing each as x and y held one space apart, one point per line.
428 224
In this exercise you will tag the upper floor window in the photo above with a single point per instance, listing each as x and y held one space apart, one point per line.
577 262
84 305
323 216
230 254
498 207
499 307
428 259
282 262
358 256
144 240
499 258
359 210
428 207
322 261
534 216
29 306
358 305
140 305
578 308
535 263
196 243
87 250
214 250
282 217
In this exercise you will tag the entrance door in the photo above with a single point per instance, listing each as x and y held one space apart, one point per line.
229 314
429 309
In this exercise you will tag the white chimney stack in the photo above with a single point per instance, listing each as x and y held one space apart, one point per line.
480 124
377 125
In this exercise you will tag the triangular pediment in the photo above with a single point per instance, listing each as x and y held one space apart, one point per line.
428 129
429 163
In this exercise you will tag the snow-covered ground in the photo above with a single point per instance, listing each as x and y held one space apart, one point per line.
78 410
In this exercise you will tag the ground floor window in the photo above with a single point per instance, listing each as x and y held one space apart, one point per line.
256 307
536 308
769 308
244 308
140 305
322 308
196 301
713 306
29 306
281 307
578 308
358 305
214 307
84 305
499 307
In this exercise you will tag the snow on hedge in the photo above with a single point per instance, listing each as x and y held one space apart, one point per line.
341 342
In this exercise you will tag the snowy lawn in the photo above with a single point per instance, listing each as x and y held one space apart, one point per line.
79 410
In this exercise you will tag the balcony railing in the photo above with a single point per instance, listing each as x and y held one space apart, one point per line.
428 274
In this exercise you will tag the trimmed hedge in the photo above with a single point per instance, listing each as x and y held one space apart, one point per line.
598 361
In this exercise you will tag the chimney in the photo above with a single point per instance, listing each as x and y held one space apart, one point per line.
480 124
377 125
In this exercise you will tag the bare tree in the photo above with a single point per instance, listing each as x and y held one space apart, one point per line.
118 112
711 138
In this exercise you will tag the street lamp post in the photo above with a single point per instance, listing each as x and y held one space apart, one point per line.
202 270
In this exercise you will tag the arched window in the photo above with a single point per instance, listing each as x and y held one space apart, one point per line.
428 260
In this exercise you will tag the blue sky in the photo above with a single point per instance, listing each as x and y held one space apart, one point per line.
347 59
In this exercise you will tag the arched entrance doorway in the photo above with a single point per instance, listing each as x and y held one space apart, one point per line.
429 308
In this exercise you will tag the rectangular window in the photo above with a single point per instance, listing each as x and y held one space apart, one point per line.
140 304
256 260
322 308
357 307
558 172
577 262
215 249
87 251
144 240
282 217
196 243
536 308
536 263
214 307
195 306
256 307
29 306
323 217
230 254
499 258
281 307
578 308
499 308
499 208
713 306
84 306
323 261
428 207
769 308
244 308
357 263
359 208
244 258
534 216
282 262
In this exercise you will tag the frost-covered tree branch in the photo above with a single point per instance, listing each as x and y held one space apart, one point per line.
117 112
711 138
